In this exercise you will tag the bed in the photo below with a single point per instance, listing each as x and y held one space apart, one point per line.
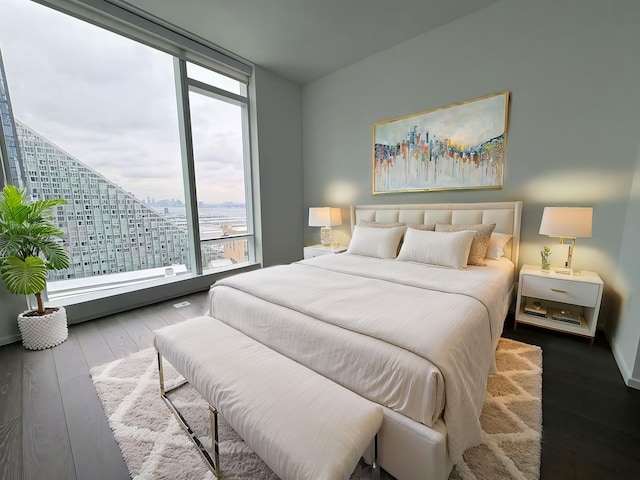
414 337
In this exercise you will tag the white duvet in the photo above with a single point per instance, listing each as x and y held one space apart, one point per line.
414 338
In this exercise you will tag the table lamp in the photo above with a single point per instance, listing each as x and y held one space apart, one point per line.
325 217
568 223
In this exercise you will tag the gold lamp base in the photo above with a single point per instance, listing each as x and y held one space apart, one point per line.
567 270
326 236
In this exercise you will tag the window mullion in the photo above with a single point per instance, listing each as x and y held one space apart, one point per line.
188 167
248 192
215 92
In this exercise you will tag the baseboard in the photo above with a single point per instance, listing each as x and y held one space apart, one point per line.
625 371
634 383
9 339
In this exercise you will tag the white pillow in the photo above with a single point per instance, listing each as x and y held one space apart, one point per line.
497 242
375 242
446 249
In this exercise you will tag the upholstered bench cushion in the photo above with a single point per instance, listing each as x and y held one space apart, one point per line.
301 424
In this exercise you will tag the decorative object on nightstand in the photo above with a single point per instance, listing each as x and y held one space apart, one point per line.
535 308
317 250
568 316
568 223
558 302
325 217
544 257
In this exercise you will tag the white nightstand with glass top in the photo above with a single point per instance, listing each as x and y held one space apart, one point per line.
567 303
317 250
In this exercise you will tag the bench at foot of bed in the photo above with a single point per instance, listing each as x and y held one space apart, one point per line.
301 424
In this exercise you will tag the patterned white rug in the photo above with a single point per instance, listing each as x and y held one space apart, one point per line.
155 447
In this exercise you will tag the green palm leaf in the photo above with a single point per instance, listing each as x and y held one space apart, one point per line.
24 277
55 255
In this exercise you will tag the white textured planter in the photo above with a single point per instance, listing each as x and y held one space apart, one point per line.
40 332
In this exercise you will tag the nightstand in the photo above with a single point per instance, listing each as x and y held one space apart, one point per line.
317 250
567 303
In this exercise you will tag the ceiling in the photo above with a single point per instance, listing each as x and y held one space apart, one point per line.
303 40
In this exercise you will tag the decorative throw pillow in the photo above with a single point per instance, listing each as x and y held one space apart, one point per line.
497 242
480 242
437 248
375 242
430 227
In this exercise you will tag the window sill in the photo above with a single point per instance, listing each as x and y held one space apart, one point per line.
99 303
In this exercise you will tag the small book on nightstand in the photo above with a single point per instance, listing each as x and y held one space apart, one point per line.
568 316
535 308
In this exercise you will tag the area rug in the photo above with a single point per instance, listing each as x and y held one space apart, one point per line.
155 447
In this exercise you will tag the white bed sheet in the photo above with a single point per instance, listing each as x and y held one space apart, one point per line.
391 331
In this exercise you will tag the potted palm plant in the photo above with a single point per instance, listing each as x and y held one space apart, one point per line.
28 250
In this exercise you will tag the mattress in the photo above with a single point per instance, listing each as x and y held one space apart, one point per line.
415 338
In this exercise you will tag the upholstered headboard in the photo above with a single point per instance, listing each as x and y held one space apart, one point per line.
506 216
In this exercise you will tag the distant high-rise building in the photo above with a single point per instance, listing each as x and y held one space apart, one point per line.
107 230
9 152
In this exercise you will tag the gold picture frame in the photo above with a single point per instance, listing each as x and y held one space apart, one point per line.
459 146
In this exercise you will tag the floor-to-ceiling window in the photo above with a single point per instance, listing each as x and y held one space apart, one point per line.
95 118
218 113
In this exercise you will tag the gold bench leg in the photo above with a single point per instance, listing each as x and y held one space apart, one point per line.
212 463
375 468
213 413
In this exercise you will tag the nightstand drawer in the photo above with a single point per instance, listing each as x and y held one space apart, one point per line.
310 253
564 291
317 250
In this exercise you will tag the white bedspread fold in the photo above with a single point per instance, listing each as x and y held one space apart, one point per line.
399 311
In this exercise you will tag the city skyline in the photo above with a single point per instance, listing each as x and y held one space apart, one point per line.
106 230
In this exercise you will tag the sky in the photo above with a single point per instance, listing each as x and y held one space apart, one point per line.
110 102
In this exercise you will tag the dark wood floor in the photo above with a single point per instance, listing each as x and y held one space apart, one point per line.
591 420
52 425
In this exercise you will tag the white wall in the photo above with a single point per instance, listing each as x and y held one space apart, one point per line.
279 122
573 72
625 329
10 306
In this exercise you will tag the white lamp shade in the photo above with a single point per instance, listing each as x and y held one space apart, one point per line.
324 217
572 222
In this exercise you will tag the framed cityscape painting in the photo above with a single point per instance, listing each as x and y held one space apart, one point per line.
453 147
